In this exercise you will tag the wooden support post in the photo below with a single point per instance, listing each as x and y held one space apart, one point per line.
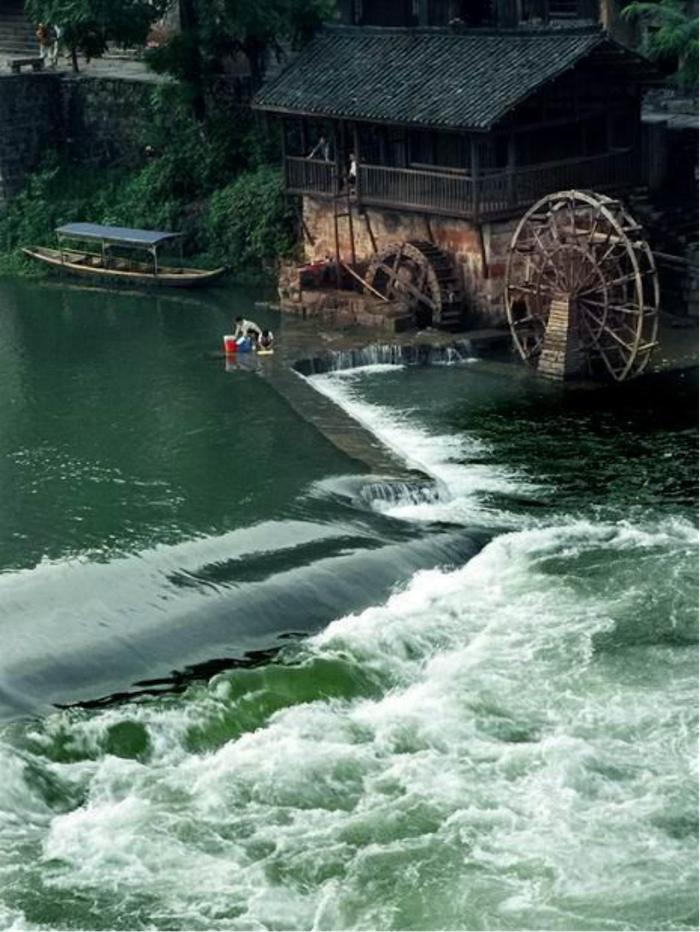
370 231
303 135
475 175
338 277
511 169
283 144
338 159
351 231
356 148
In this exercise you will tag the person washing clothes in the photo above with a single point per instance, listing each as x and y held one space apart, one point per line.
266 340
246 330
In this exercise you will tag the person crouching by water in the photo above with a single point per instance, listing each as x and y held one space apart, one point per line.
246 330
266 340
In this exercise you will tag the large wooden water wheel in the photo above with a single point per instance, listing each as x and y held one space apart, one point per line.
421 276
582 293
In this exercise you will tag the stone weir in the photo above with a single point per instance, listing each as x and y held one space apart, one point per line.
303 351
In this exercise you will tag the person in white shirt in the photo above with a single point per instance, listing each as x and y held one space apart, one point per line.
246 328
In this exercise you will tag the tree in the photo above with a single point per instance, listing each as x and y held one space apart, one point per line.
266 26
671 35
88 26
213 30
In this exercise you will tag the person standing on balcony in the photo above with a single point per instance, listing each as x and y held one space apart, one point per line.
321 150
352 170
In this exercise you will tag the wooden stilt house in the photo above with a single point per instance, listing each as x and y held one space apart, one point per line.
437 124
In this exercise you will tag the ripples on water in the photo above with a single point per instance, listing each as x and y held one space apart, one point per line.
505 742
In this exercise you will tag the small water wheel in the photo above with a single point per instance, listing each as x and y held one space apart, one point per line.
582 293
423 277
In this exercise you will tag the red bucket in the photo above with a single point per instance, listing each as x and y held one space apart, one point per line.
230 345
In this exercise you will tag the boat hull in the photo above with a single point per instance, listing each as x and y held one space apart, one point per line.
90 266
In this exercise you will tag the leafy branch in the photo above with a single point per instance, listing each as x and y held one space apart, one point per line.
671 35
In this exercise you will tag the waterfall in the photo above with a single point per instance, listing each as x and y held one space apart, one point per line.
393 354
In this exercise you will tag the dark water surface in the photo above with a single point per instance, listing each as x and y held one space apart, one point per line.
314 700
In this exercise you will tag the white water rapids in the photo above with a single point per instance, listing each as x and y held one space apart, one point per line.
512 744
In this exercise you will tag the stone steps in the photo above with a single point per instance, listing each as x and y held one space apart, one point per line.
17 38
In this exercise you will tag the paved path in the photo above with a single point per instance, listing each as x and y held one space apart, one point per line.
111 66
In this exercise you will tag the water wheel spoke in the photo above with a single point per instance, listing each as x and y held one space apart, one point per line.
398 284
530 288
531 318
612 334
544 251
609 245
617 308
624 279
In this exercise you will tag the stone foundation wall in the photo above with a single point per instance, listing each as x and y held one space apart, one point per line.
479 251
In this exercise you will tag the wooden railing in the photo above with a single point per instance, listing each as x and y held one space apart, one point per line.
421 190
499 192
310 176
459 195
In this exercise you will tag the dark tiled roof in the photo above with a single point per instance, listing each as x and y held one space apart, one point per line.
467 79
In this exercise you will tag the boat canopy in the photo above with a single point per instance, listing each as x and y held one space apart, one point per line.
147 239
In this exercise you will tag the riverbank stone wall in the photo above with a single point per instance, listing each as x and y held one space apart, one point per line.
479 250
31 120
106 119
97 120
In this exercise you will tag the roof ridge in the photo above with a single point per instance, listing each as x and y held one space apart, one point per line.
537 30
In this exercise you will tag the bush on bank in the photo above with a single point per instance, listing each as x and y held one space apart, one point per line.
246 225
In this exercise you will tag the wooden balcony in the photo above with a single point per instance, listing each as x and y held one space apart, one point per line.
310 176
457 194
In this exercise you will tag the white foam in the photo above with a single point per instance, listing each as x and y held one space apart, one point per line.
497 747
504 773
456 462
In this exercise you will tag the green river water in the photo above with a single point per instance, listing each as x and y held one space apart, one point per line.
243 685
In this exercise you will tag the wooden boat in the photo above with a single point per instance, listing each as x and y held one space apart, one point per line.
109 266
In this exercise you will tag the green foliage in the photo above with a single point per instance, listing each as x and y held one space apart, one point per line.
246 224
54 195
88 25
671 34
249 222
214 31
208 175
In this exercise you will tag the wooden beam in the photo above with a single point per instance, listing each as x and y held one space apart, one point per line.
364 284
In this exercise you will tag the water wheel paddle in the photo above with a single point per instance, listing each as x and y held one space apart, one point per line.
582 292
422 276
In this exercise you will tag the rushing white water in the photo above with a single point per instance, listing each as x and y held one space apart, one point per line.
458 464
508 744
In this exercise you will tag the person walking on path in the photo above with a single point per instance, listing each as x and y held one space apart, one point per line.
47 36
55 37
